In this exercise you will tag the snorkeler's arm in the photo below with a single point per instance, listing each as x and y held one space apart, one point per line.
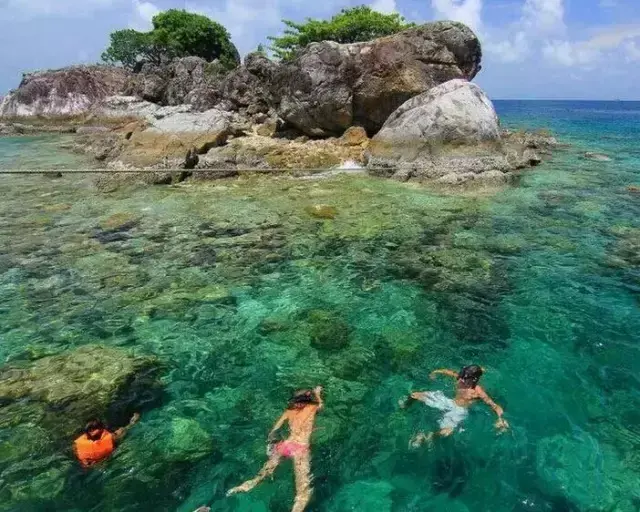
121 432
444 371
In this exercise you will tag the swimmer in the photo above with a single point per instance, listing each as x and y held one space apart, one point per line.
97 443
301 413
455 410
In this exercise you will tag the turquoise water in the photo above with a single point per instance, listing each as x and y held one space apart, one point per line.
239 292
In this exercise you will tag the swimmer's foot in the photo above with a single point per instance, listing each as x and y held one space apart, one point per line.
420 439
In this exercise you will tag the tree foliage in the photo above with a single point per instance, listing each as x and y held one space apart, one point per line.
348 26
175 33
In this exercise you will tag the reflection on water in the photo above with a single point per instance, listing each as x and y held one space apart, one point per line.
205 305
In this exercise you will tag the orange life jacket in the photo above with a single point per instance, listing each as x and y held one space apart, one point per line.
90 452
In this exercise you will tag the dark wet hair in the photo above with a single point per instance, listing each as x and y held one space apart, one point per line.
93 426
470 375
302 398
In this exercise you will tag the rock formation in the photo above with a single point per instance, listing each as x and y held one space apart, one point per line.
412 89
332 86
450 133
66 390
68 91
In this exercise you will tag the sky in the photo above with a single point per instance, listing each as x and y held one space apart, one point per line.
532 49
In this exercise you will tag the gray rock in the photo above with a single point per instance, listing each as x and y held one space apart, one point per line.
212 120
453 128
454 112
187 74
69 91
332 86
87 130
125 106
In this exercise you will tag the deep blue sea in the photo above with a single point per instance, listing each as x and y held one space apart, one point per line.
239 296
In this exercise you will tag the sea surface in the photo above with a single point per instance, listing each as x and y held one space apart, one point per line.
241 295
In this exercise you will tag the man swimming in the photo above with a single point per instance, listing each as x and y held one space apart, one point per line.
301 413
455 410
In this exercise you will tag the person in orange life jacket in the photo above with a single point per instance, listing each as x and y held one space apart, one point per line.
97 442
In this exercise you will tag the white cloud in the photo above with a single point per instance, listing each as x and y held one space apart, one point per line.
613 37
58 8
385 6
601 44
468 12
608 4
143 13
509 50
544 16
539 21
632 50
569 53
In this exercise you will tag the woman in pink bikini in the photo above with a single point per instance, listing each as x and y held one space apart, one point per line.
301 413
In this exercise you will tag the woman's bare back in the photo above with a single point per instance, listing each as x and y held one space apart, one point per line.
301 423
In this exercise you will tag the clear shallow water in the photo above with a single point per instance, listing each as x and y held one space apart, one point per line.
224 283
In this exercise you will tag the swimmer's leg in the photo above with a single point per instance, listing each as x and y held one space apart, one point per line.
302 468
267 470
445 432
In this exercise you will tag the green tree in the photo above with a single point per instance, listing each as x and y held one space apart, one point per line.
348 26
127 47
261 50
175 33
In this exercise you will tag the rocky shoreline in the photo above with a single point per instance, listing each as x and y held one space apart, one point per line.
400 106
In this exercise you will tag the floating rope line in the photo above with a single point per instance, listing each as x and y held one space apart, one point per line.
194 171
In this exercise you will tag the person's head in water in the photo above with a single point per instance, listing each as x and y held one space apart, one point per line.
470 375
302 398
94 429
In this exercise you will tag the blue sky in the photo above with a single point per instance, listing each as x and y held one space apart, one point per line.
533 49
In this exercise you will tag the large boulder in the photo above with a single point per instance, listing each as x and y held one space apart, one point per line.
450 133
172 133
69 91
331 86
456 112
45 403
250 88
171 83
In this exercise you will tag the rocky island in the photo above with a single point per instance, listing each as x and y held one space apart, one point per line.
401 106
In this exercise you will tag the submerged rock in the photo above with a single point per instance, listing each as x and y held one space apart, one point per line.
183 440
121 221
328 331
584 471
70 388
364 495
322 211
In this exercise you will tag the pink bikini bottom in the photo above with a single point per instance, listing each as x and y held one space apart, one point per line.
291 449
